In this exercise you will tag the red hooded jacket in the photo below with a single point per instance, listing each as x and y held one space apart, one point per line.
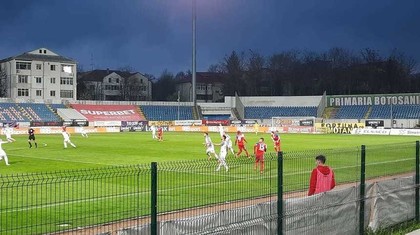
325 170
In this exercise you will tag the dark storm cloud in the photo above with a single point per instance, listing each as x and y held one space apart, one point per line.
151 35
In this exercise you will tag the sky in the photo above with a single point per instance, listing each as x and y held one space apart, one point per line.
153 35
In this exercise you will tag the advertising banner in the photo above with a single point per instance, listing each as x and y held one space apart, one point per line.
109 112
188 122
370 131
308 122
161 123
106 123
338 128
378 99
374 123
216 122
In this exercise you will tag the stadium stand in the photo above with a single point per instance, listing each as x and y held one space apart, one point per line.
11 112
167 113
39 112
266 112
352 112
216 117
57 106
398 111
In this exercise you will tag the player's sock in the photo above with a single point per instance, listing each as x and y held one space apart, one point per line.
74 146
36 145
65 145
30 145
6 160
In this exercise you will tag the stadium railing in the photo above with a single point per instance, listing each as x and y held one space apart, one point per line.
376 187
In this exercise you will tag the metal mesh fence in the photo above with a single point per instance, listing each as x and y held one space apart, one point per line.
66 201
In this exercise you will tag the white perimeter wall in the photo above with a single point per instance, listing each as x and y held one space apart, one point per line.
281 100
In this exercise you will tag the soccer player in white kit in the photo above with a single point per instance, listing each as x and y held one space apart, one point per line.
153 129
221 131
209 146
3 153
66 137
83 132
8 133
222 155
229 143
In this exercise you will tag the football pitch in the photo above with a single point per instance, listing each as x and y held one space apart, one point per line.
117 149
108 177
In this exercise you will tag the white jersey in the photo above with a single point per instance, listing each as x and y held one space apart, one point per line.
65 136
209 144
228 140
2 152
8 132
221 131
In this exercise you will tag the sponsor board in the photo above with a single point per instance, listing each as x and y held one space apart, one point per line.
188 123
307 122
106 123
216 122
338 128
414 132
109 112
380 99
370 131
374 123
161 123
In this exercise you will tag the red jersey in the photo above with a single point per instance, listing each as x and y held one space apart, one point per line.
160 130
260 148
240 139
322 179
276 139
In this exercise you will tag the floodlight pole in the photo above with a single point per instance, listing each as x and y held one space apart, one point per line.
194 18
179 98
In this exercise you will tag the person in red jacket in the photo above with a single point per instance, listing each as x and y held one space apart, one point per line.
322 177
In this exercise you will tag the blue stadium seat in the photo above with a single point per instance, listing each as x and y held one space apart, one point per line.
39 112
398 111
352 112
167 113
266 112
11 112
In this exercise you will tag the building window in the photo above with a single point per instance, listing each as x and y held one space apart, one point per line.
52 80
23 92
109 80
23 65
66 94
38 66
22 79
112 87
38 79
38 93
141 81
66 81
52 67
117 80
52 93
67 68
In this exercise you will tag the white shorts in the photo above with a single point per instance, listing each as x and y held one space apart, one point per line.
210 150
66 139
2 153
230 144
222 155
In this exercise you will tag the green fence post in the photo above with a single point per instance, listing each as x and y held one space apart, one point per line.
362 191
417 180
280 193
153 200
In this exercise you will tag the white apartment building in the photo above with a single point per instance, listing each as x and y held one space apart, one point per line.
40 76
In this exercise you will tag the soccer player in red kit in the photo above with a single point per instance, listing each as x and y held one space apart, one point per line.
276 140
160 133
240 141
259 149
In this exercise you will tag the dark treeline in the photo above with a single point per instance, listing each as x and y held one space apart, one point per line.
337 71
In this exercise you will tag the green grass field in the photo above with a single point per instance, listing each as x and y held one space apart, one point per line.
107 177
102 150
